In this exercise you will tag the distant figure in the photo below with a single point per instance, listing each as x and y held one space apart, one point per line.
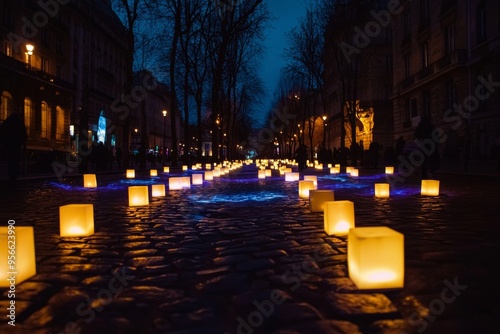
301 156
431 159
13 135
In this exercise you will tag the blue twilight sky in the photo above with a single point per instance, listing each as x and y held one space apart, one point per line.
286 14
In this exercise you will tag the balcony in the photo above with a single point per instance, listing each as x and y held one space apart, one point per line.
455 58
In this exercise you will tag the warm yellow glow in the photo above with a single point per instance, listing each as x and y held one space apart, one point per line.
349 169
175 183
382 190
354 172
319 166
430 188
375 257
289 176
268 172
89 181
184 168
138 195
130 173
166 169
216 172
186 182
389 170
208 166
337 166
338 217
304 187
153 172
25 260
76 220
313 178
157 190
261 174
335 170
197 179
209 176
317 198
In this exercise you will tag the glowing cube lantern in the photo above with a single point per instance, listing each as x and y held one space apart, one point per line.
209 175
338 217
382 190
153 172
262 174
354 172
24 265
197 179
288 170
76 220
175 183
313 178
291 176
349 169
166 169
138 195
319 166
208 167
157 190
375 257
337 165
186 182
304 187
335 170
184 168
430 188
317 199
268 172
130 173
89 181
216 172
389 170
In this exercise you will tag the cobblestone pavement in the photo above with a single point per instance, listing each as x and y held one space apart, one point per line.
243 255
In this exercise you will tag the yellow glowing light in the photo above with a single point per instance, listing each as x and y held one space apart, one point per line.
261 174
197 179
153 172
130 173
389 170
304 187
138 195
375 257
382 190
175 183
89 181
76 220
166 169
338 217
25 260
430 188
157 190
209 176
313 178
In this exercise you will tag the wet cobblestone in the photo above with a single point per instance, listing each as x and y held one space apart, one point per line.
242 255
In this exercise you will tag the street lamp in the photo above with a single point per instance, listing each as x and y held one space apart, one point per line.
164 127
29 52
324 130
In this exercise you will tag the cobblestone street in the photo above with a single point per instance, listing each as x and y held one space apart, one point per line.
244 255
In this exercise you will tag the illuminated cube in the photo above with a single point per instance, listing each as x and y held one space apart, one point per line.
430 188
317 198
197 179
389 170
375 257
166 170
209 176
262 174
304 187
89 181
175 183
153 172
186 182
313 178
130 173
76 220
157 190
382 190
338 217
138 195
23 261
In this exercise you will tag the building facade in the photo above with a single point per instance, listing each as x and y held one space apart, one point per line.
446 68
62 66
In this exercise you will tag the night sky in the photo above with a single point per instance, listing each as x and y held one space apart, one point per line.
286 14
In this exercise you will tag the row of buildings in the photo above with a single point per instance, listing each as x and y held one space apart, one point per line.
406 60
63 67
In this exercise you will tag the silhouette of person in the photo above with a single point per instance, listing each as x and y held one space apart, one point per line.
13 134
301 156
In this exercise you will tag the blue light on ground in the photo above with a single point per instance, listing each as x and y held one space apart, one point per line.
261 196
